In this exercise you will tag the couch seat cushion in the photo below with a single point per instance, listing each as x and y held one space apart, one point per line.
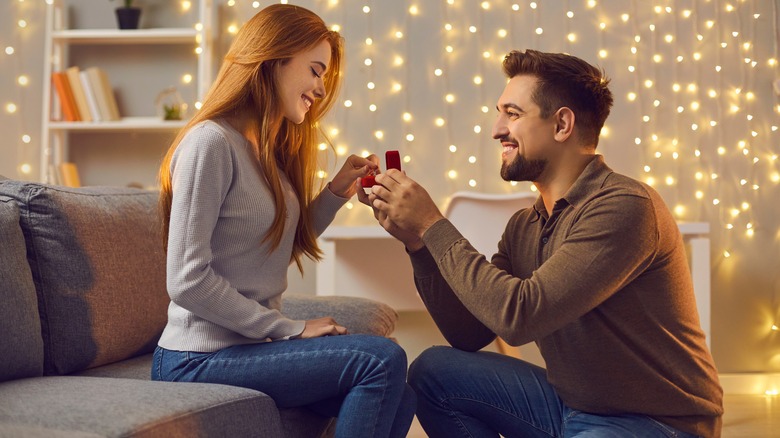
136 408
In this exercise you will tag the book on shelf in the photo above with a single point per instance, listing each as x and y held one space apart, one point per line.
67 102
104 94
89 93
68 174
86 95
78 93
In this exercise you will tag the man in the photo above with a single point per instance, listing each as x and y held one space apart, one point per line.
595 273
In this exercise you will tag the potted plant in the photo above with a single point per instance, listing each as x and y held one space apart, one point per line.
127 16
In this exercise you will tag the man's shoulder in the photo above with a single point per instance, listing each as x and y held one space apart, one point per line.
618 184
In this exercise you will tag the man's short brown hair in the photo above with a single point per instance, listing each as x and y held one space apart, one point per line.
565 81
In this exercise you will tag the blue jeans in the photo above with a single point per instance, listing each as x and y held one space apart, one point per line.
360 379
483 394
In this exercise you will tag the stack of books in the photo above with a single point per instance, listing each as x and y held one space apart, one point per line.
85 96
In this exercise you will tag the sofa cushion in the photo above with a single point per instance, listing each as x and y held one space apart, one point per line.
136 408
99 271
358 315
21 345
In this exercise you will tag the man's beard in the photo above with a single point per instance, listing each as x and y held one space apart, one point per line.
521 169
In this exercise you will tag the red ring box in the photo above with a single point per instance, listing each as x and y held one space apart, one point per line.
392 161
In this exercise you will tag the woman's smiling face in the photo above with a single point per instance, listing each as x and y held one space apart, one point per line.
301 81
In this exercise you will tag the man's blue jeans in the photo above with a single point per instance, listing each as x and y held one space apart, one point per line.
483 394
360 379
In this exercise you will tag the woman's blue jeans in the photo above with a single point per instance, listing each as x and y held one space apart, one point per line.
360 379
483 394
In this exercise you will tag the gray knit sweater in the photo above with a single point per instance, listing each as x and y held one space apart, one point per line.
224 281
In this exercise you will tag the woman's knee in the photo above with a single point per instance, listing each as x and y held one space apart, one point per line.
388 353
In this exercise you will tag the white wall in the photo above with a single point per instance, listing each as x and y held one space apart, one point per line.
746 285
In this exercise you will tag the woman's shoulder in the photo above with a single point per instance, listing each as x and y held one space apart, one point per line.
212 128
208 138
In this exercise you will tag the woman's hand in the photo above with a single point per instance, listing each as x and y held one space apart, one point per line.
355 167
326 326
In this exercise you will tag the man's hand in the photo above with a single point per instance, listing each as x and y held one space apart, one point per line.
403 207
326 326
354 167
410 240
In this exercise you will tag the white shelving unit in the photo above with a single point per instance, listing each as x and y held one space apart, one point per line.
55 133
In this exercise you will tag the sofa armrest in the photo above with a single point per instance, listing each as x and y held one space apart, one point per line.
358 315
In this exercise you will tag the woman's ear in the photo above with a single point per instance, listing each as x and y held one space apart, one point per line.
564 123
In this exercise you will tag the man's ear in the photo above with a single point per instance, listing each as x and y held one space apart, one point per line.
564 123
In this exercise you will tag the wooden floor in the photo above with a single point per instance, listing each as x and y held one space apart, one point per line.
754 416
749 416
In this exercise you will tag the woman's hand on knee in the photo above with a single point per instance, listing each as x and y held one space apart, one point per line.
326 326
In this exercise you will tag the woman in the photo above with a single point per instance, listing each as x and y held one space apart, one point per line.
239 204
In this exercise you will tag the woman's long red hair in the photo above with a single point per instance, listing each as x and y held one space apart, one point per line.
247 82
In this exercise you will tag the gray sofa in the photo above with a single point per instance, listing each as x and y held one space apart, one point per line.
82 287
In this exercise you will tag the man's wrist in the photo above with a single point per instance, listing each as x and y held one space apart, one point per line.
415 246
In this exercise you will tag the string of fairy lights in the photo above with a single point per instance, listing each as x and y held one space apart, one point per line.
693 84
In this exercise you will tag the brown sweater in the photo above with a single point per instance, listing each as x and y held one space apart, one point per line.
603 288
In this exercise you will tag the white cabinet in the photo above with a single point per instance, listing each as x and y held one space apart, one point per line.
195 42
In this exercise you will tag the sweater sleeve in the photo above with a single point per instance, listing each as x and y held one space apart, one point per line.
202 171
610 244
458 325
324 208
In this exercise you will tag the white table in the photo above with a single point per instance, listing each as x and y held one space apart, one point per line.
367 262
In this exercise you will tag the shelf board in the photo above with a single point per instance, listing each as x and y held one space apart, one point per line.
129 36
125 124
